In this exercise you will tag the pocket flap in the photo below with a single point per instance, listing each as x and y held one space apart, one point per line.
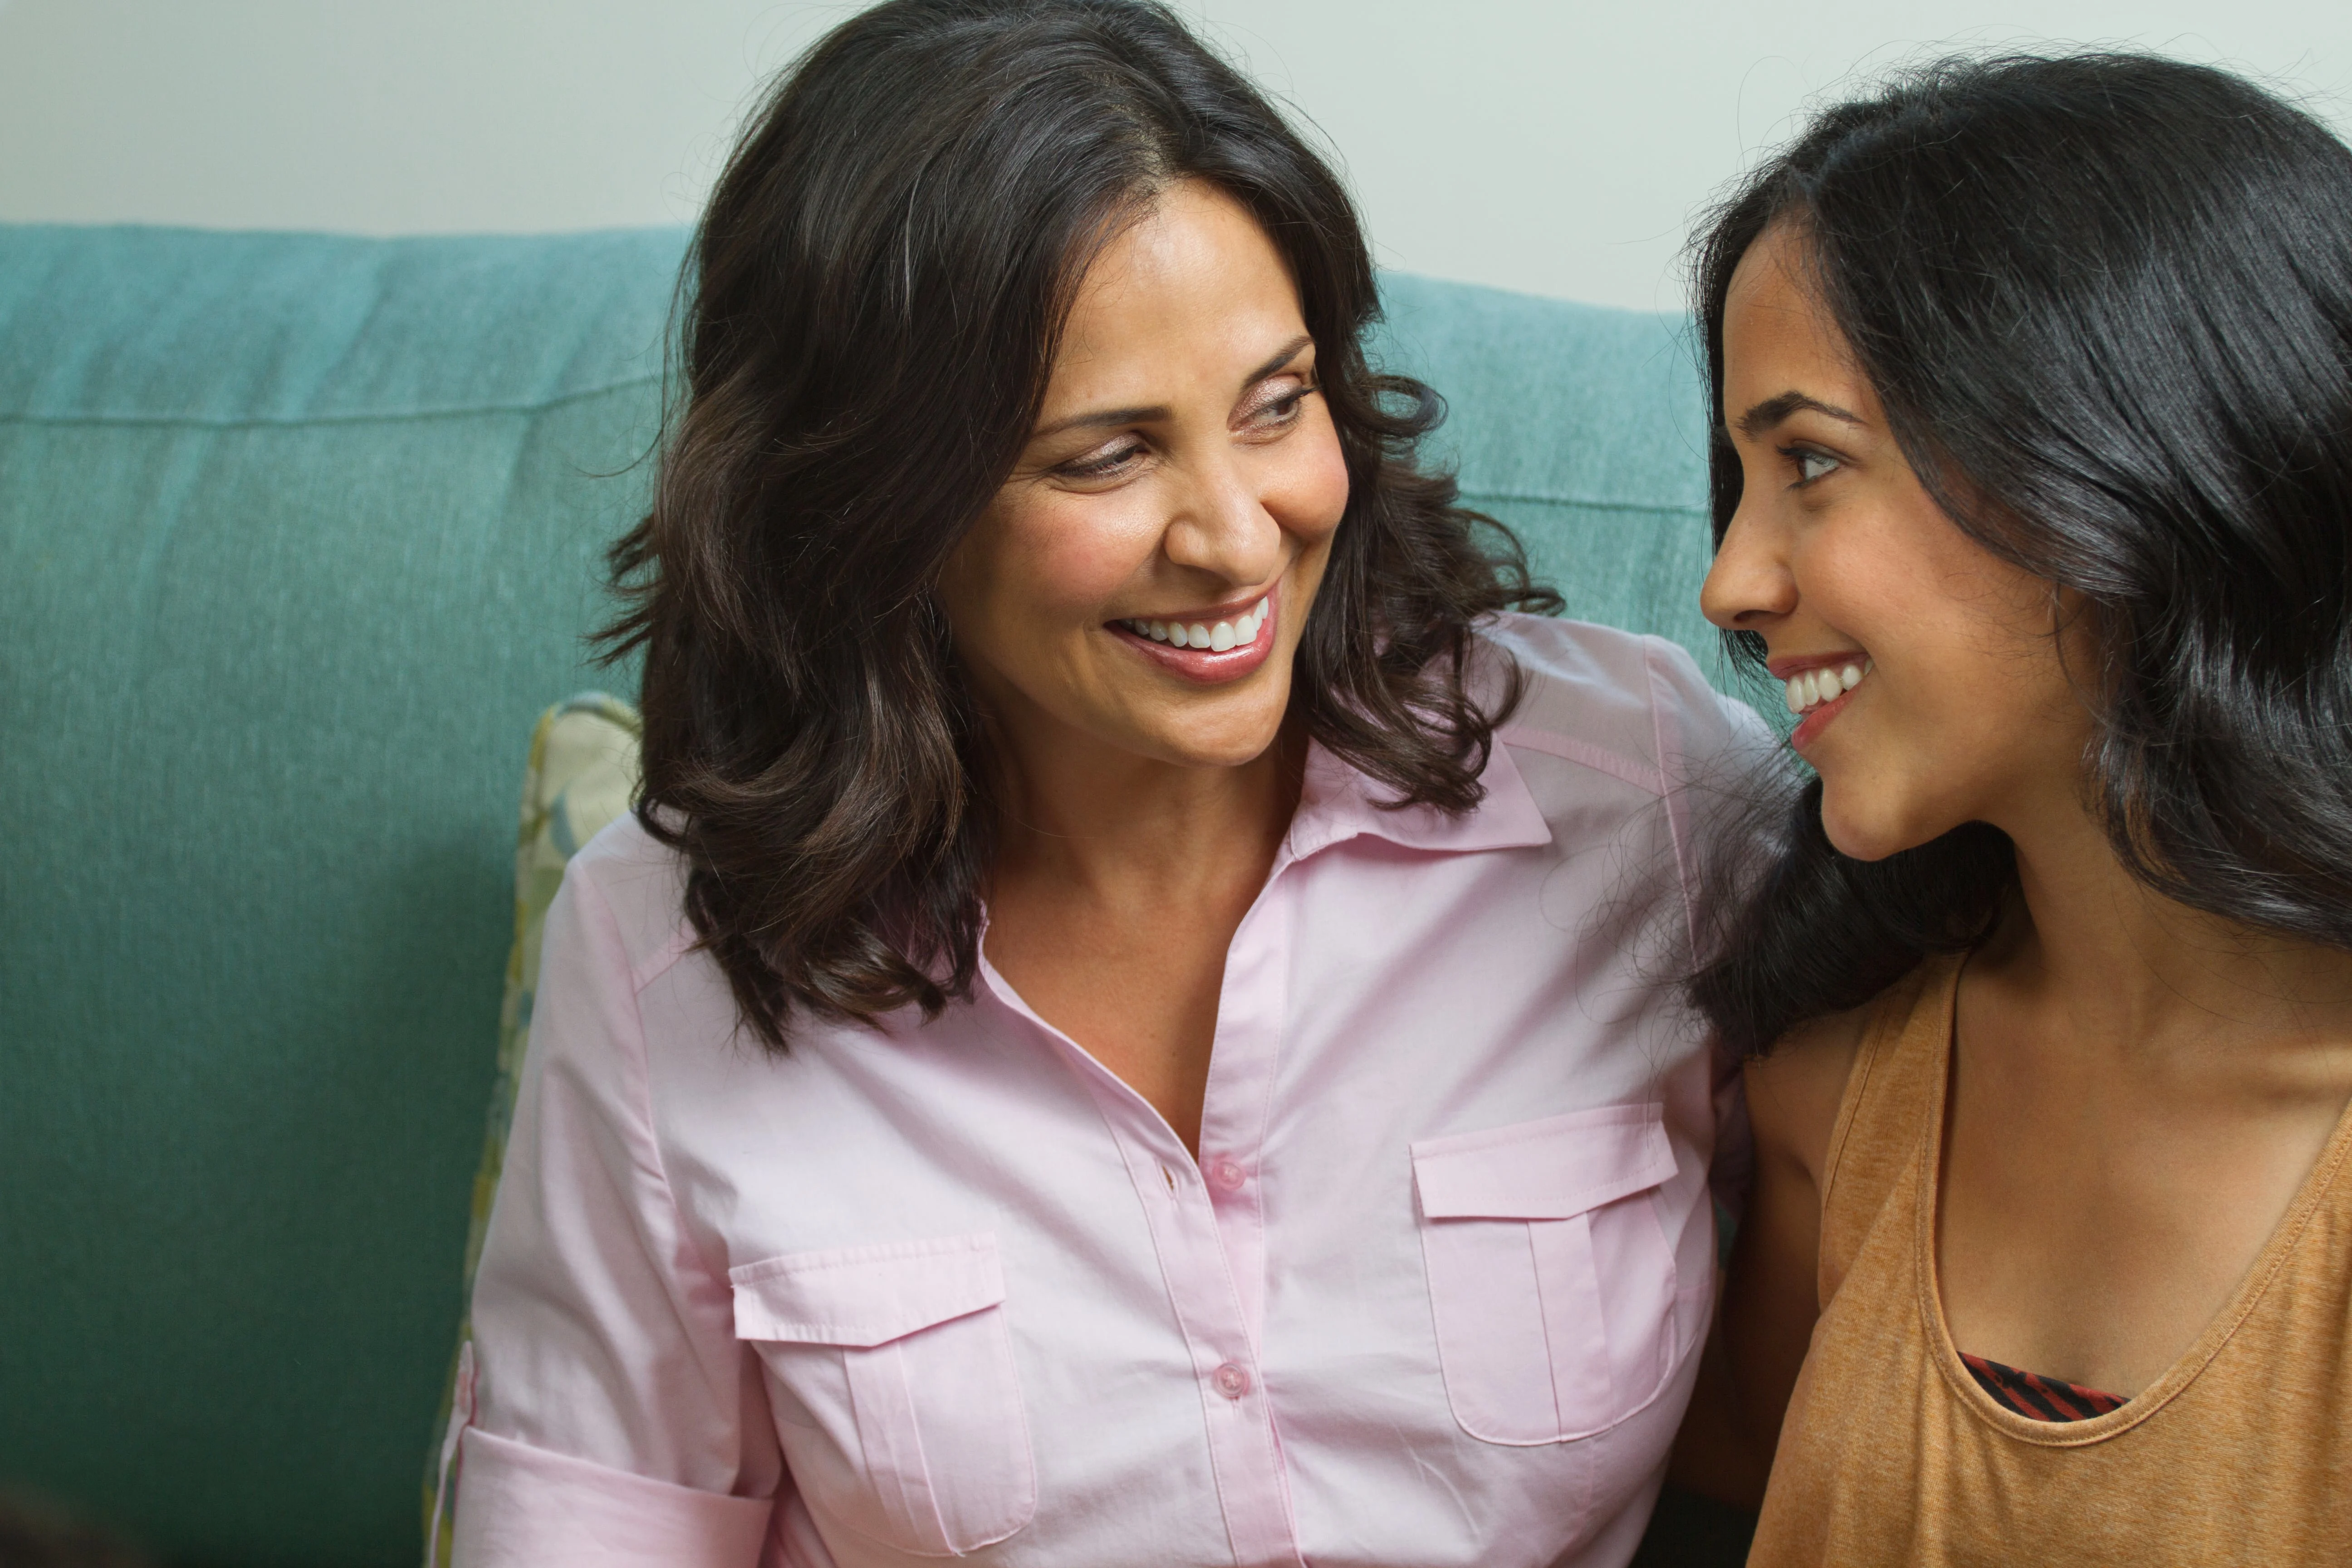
1552 1169
866 1296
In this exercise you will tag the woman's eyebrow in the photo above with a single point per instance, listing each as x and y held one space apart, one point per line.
1144 415
1282 356
1771 413
1105 416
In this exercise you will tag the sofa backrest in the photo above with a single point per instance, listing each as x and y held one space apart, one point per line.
298 535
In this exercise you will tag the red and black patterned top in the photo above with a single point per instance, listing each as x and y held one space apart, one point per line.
2035 1397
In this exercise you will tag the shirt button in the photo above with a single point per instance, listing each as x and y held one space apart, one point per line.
1226 1176
1231 1381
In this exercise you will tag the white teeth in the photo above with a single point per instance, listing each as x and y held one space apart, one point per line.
1815 686
1221 637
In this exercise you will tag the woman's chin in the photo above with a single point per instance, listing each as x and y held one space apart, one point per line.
1213 728
1226 740
1233 747
1862 834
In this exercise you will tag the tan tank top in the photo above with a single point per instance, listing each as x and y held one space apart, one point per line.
1892 1454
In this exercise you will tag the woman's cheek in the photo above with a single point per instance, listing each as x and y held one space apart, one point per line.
1311 493
1092 547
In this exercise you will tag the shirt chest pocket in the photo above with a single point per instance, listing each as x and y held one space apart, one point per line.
897 1366
1550 1278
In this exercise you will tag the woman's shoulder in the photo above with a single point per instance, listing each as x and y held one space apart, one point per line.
1797 1091
1599 694
1794 1092
636 880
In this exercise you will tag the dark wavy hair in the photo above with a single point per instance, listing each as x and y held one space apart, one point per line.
2107 300
872 306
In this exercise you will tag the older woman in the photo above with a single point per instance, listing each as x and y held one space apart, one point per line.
1131 1024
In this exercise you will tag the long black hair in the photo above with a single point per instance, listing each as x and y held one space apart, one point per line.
2107 300
873 304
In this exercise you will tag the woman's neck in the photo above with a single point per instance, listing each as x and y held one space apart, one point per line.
2123 963
1119 883
1117 825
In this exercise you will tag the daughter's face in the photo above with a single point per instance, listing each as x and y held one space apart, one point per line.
1932 686
1141 579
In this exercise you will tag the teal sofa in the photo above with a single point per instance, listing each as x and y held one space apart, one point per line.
297 536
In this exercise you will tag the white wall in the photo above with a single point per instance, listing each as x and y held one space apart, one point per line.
1559 148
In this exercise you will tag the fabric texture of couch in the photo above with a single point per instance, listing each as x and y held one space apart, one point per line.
298 535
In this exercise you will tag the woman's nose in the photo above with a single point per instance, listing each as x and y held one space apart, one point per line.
1750 583
1223 526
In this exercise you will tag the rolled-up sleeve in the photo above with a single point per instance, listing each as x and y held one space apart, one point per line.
530 1505
616 1419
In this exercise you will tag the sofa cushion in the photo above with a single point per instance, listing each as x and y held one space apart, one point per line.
1581 428
296 535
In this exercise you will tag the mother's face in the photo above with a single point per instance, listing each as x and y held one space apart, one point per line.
1141 579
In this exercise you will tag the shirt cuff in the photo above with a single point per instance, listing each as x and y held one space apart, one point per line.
521 1506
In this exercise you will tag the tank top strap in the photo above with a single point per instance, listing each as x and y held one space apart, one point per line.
1895 1085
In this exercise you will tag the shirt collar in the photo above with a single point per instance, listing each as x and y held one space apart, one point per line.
1337 802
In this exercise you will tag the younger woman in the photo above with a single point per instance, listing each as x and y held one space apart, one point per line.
2034 485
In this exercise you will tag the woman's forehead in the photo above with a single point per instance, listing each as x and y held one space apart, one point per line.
1193 286
1778 329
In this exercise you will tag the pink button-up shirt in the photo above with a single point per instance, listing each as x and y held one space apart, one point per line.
1432 1293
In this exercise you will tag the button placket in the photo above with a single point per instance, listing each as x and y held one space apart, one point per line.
1252 1012
1209 1232
1212 1255
1243 1450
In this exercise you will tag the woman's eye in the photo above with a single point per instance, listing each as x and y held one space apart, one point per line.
1278 411
1812 466
1104 464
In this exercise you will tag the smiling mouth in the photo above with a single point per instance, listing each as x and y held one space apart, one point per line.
1807 690
1219 636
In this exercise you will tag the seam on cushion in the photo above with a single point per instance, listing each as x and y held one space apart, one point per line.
646 1097
1677 508
1600 759
296 421
182 469
1672 797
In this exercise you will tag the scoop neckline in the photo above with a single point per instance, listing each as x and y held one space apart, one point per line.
2185 1370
